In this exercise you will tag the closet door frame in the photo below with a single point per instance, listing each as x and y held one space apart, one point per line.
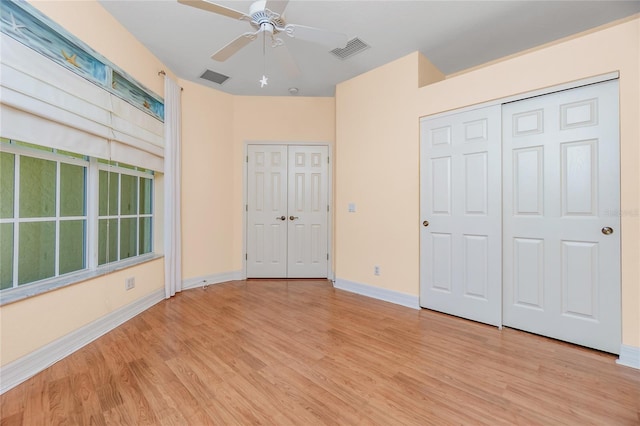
530 94
330 218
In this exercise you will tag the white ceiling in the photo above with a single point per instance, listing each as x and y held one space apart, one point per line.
453 35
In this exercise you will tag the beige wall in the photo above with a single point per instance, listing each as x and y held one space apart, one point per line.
29 324
37 321
207 190
377 170
377 151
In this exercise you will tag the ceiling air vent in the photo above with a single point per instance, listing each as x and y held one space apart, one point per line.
355 45
215 77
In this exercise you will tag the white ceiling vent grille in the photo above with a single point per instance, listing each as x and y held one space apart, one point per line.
355 45
215 77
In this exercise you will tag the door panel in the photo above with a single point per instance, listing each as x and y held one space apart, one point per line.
580 279
528 276
266 205
561 181
460 249
440 262
307 244
287 213
476 279
475 188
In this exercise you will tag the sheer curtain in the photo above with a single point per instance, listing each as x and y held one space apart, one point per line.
172 178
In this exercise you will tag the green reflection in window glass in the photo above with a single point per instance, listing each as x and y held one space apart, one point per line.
126 166
34 146
71 154
36 259
128 237
128 194
7 184
72 190
37 187
107 241
145 235
146 189
108 194
6 255
72 248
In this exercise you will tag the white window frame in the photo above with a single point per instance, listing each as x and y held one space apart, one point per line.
16 220
110 168
91 269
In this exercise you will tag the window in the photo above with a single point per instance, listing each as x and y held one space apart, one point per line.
45 224
124 212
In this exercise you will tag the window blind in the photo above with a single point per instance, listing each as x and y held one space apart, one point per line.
44 103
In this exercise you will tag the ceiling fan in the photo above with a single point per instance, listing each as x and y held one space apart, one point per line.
266 16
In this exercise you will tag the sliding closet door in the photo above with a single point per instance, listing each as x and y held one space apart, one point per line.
460 206
561 216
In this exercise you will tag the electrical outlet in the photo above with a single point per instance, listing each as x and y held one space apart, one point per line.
376 270
129 283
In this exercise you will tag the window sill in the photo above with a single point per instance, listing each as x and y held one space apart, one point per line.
12 295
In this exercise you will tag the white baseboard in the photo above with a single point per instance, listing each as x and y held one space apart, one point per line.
378 293
29 365
205 280
629 356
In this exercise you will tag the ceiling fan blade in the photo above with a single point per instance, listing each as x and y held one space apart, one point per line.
316 35
287 61
276 6
231 48
215 8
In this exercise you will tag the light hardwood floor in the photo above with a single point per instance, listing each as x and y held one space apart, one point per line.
301 352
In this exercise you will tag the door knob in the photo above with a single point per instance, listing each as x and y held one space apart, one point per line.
425 223
293 217
281 218
607 230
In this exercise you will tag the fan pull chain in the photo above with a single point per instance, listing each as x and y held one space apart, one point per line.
263 81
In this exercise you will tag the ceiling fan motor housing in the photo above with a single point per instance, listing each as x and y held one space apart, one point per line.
263 19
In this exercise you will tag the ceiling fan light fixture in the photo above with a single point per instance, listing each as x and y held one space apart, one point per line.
267 28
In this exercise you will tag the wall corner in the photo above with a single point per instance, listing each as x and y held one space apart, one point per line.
427 72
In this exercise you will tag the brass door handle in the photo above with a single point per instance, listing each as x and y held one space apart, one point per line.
425 223
607 230
281 218
293 217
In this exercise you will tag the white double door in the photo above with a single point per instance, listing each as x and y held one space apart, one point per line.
558 245
287 211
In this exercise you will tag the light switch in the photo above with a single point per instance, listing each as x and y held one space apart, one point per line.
352 207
